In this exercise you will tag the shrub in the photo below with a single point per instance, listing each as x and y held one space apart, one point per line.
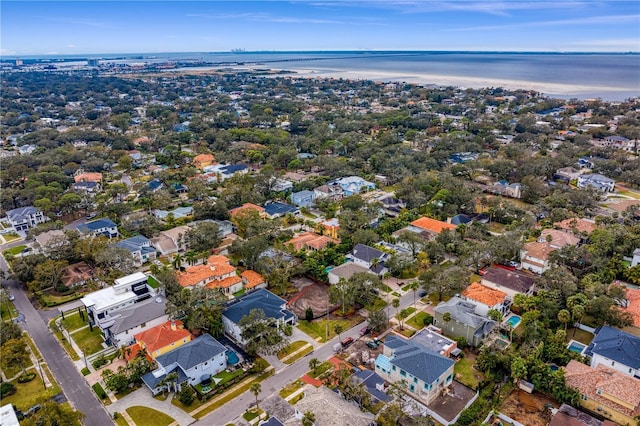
428 320
85 371
259 366
26 377
186 395
7 389
461 341
308 314
100 361
287 330
100 392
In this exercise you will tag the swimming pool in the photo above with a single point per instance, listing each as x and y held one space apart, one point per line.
575 346
513 321
232 357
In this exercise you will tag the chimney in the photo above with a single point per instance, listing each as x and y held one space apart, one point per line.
173 325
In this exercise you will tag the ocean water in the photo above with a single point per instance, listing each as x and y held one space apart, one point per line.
612 77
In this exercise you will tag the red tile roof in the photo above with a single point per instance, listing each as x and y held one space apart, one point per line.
483 294
246 207
432 225
633 296
215 269
251 278
310 240
163 335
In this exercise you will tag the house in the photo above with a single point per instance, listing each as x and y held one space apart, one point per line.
140 248
24 218
177 213
567 415
535 256
52 241
513 190
125 291
345 271
215 273
163 338
76 275
486 298
578 226
8 416
596 181
422 373
460 219
272 305
252 280
104 226
82 176
340 413
172 240
431 338
510 282
154 185
192 362
392 206
636 257
280 185
464 321
370 258
373 384
605 391
615 349
567 174
432 227
275 209
201 161
331 227
632 304
247 207
310 241
303 198
120 326
220 172
87 187
353 185
333 192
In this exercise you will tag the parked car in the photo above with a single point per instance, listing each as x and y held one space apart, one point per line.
346 342
372 344
364 331
11 297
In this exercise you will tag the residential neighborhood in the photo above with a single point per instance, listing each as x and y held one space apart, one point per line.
253 247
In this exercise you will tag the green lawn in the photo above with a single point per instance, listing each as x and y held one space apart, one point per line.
417 321
250 415
153 283
7 310
29 393
239 293
72 321
291 348
11 236
51 300
580 335
465 374
396 294
376 305
322 368
475 278
317 329
291 388
120 421
144 416
89 341
225 376
13 251
385 288
410 310
299 355
406 332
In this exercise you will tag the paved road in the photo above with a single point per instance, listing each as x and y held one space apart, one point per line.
229 412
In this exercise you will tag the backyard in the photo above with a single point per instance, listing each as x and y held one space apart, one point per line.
528 409
465 372
579 335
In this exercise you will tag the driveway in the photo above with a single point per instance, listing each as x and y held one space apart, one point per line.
142 397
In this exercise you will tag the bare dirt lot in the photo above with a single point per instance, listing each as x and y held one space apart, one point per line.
360 354
314 296
528 409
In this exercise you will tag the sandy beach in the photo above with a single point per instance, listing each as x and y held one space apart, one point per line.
565 90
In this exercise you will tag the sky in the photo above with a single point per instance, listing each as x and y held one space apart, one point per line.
107 27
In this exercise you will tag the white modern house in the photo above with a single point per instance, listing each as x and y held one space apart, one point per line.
596 181
615 349
24 218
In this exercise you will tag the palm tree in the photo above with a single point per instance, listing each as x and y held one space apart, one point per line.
564 317
191 257
255 390
338 329
177 261
446 317
314 363
577 312
308 419
414 286
396 304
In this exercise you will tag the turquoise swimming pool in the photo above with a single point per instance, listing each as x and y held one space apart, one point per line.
513 321
232 357
575 346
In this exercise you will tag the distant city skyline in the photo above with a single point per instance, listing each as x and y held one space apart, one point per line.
95 27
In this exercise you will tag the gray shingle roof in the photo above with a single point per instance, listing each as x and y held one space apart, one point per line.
259 299
463 312
195 352
138 313
366 253
616 345
515 280
416 359
19 214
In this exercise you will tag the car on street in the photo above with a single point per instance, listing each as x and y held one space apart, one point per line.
11 297
346 342
364 331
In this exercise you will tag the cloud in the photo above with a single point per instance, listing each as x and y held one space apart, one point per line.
7 52
71 46
623 44
595 20
265 17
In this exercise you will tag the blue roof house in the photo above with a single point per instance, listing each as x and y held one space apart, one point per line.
303 198
104 227
615 349
193 362
276 209
374 385
272 305
354 185
422 373
140 248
